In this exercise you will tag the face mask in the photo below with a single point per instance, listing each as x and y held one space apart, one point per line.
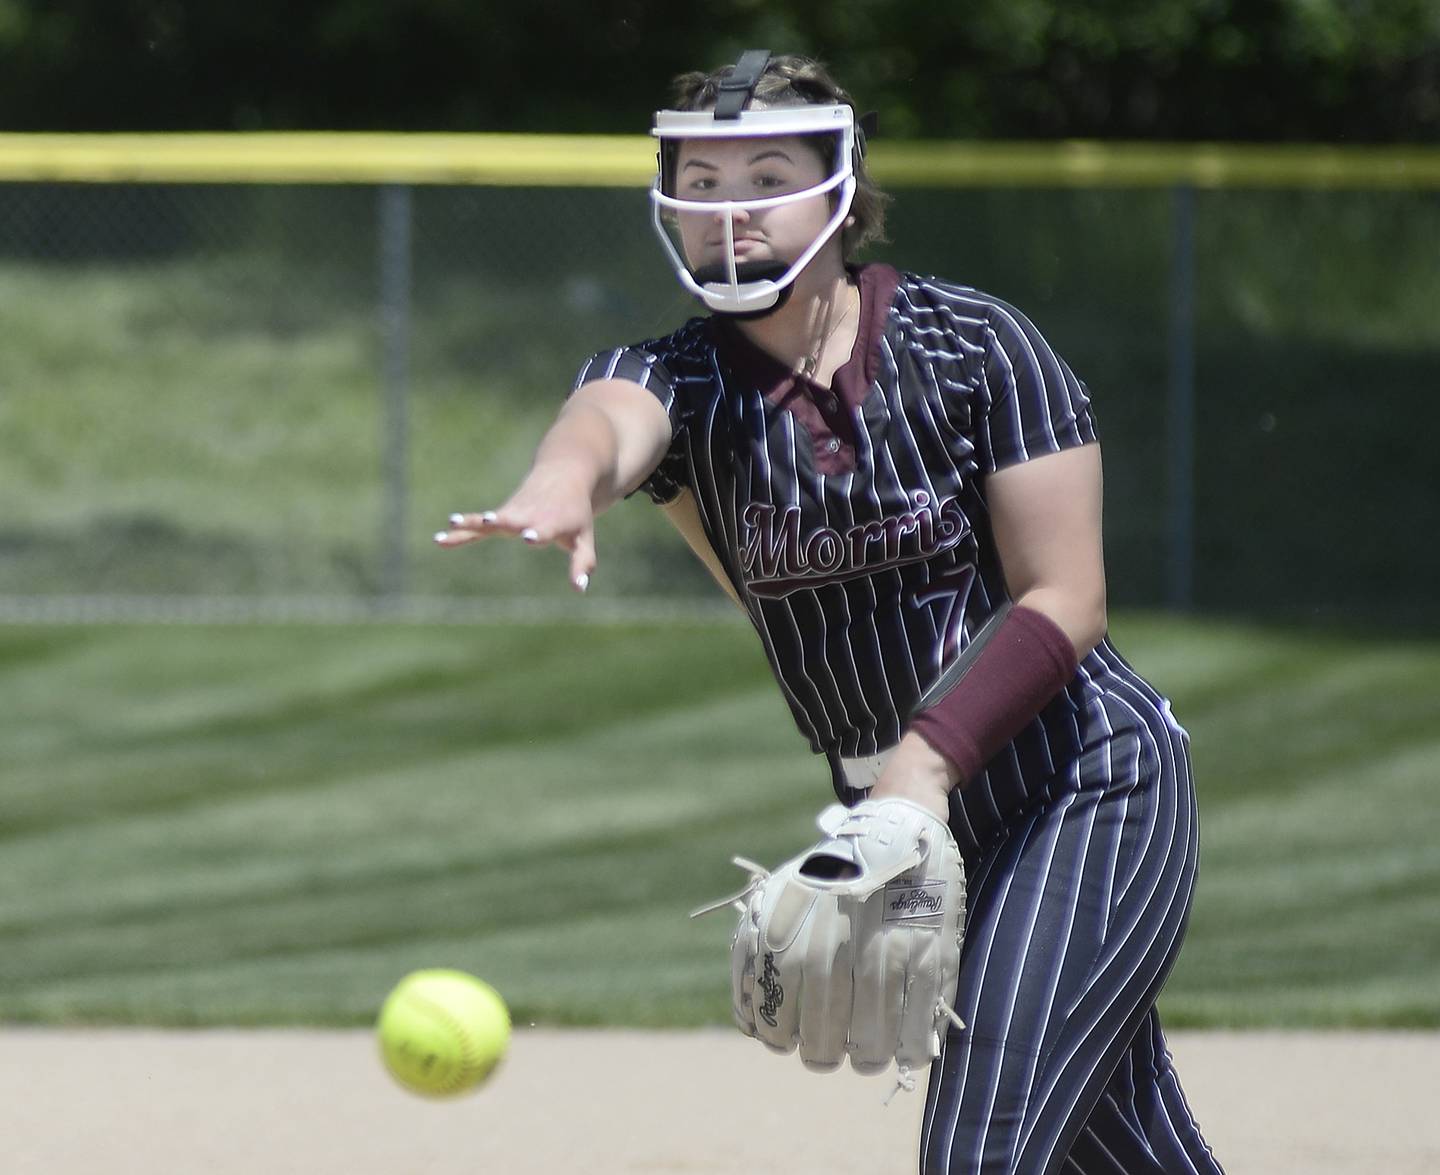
730 285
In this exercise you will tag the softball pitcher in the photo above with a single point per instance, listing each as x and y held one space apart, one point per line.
899 482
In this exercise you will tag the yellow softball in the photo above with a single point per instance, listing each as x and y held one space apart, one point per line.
442 1032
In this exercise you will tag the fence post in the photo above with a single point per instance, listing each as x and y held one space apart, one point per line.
1181 415
395 221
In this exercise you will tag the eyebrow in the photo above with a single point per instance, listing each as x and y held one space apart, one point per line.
770 153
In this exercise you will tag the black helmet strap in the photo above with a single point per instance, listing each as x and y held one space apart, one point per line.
737 89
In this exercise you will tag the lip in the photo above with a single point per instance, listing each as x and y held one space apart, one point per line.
742 244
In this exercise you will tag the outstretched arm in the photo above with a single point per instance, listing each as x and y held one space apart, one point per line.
608 438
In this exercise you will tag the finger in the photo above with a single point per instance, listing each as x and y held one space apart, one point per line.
544 534
485 520
464 528
468 528
456 538
582 559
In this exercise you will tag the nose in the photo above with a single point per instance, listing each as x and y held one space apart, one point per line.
738 216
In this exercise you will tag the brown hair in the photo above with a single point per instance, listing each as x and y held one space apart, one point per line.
791 80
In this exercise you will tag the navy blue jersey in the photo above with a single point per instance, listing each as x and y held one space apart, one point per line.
852 521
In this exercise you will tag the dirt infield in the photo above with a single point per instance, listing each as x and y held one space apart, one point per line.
627 1103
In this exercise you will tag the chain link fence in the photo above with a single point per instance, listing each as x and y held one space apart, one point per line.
234 400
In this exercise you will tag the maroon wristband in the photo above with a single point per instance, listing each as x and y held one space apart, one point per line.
1024 663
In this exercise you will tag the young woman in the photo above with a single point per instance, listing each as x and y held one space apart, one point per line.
895 476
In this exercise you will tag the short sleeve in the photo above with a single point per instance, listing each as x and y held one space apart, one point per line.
639 366
1032 404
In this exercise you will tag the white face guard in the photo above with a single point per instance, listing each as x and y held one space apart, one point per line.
733 286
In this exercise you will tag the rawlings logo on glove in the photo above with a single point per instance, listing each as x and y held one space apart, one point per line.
866 926
912 901
774 993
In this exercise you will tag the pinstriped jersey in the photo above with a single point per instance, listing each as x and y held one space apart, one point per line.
851 518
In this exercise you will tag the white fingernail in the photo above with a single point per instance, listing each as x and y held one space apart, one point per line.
582 582
489 516
441 535
530 535
456 519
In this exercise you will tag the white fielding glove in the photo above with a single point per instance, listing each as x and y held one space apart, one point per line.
852 948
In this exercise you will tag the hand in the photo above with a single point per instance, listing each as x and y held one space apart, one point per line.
551 508
917 772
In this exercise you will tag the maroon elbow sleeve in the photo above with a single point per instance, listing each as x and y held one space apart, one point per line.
1024 664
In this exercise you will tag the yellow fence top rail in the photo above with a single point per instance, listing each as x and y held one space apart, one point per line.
629 161
326 158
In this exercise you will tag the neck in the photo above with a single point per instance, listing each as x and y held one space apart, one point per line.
819 321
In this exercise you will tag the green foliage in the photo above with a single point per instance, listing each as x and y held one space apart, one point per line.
269 825
1190 69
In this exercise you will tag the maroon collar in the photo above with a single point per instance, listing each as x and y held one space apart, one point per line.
782 386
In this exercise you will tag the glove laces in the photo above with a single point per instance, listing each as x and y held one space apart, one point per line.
905 1076
758 876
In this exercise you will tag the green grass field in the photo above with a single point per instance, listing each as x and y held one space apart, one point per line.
270 824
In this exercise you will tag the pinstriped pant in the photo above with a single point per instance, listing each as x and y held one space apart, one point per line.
1076 916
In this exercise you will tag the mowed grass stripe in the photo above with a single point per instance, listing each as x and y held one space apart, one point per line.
271 824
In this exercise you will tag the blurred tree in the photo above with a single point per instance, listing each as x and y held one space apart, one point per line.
1169 69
